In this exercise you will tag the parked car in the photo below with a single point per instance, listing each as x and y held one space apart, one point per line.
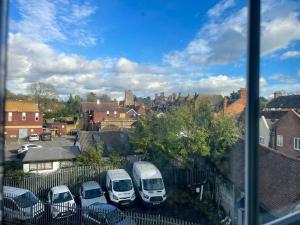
21 204
104 214
24 148
61 202
90 192
46 136
33 137
149 183
119 187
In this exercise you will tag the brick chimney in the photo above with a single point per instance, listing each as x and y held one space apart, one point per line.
225 104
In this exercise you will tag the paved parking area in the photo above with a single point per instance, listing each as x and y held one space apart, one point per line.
12 146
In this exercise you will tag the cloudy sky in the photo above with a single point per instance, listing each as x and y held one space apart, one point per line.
107 46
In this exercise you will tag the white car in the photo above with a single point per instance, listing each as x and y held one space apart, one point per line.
21 204
34 137
62 203
90 192
24 148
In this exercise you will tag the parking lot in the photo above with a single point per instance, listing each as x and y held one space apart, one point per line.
11 147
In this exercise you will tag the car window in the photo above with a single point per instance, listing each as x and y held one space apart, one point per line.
26 200
62 197
8 203
93 193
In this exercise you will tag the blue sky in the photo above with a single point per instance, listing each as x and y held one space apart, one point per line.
107 46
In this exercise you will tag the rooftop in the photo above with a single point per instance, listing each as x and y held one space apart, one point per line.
45 154
289 101
21 106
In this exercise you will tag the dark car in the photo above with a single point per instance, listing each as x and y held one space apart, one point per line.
105 214
46 137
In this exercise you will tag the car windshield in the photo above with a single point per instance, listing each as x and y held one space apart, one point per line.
153 184
26 200
93 193
32 146
122 185
62 197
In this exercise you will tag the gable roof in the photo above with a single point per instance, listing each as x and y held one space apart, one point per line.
21 106
46 154
289 101
278 176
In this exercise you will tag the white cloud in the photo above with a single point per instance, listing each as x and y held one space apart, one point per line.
219 8
46 21
290 54
223 41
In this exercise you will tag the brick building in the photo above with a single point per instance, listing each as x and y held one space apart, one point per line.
237 106
93 113
285 134
22 118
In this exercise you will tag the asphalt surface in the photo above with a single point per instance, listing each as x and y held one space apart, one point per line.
11 147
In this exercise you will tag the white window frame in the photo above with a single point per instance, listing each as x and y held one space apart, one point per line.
107 113
279 140
40 166
9 116
23 116
36 116
297 141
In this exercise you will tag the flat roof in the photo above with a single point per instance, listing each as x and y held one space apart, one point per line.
46 154
118 174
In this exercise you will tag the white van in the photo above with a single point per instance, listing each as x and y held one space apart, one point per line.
61 202
21 204
119 187
149 183
90 192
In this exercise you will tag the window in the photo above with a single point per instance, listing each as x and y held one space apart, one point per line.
36 116
279 141
65 164
261 140
115 113
23 116
297 144
9 117
40 166
107 112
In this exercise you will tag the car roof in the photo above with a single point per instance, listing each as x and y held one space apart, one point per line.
106 208
118 174
147 170
90 185
60 189
13 191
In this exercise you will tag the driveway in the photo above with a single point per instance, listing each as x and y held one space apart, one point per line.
12 146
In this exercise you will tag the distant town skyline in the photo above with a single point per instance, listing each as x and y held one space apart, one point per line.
149 47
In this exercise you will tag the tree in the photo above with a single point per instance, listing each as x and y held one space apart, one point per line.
72 105
41 92
91 97
263 102
92 157
187 133
234 95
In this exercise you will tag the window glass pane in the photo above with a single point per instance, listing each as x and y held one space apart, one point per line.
156 81
280 104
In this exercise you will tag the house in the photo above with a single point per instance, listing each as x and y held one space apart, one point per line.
279 193
237 106
96 115
59 128
285 135
22 118
49 159
284 102
266 125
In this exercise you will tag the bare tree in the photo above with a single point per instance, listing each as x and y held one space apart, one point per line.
42 91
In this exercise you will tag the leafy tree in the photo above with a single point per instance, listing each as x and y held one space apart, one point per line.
91 97
234 95
72 105
263 102
184 134
92 157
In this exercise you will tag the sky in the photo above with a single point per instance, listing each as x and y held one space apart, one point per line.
150 46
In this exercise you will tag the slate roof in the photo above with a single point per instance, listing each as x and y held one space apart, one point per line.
289 101
21 106
278 176
102 107
47 154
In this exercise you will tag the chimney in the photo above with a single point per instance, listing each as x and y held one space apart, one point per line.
243 93
225 103
98 101
278 94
